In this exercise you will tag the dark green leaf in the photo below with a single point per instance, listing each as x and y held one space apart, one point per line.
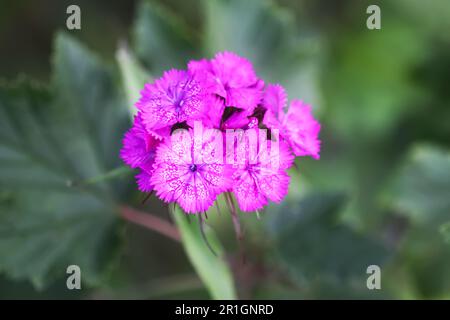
161 39
267 34
50 143
368 80
421 190
250 28
313 244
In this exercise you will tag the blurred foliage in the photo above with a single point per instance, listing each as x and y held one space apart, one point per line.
378 195
306 234
422 188
51 141
319 251
162 41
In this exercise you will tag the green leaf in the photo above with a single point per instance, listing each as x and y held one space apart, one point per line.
267 34
51 140
422 250
445 231
133 75
212 270
254 28
313 244
368 80
87 102
421 190
161 39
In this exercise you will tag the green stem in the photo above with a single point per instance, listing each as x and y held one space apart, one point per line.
117 172
213 270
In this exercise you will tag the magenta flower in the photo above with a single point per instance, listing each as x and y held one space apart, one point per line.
260 173
275 99
139 146
297 126
179 139
143 180
232 78
176 97
138 151
187 170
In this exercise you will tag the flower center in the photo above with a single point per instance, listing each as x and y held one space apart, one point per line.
193 167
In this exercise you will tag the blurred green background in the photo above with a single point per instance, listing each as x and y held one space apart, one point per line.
380 194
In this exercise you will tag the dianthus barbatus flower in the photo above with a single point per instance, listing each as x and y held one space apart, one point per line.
260 170
188 166
138 151
176 97
189 169
232 78
297 126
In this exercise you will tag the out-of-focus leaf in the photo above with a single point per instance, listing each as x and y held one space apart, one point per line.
133 77
314 208
423 250
314 245
266 34
445 231
421 190
212 270
368 81
254 28
50 143
161 38
429 18
15 290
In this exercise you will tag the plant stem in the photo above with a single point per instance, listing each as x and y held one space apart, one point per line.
151 222
114 173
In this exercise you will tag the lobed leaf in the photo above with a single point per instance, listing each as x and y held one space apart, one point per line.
51 140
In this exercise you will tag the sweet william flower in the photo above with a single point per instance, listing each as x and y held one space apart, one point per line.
231 77
275 99
260 171
185 166
302 130
143 180
176 97
139 146
188 171
138 151
297 125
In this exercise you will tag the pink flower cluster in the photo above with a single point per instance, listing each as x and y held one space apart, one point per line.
188 166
